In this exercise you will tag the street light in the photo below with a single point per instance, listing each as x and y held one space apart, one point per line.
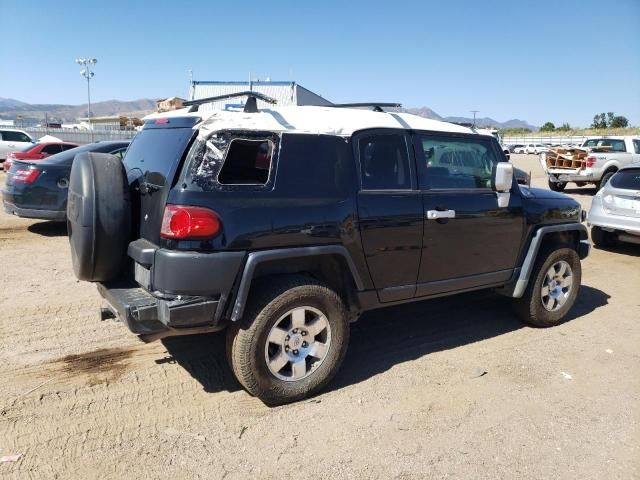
88 74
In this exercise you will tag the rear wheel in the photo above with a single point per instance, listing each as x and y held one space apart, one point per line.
557 186
552 289
605 178
291 341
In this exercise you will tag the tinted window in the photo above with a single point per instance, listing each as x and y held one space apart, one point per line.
67 147
636 145
156 150
9 136
247 162
315 166
456 162
384 162
51 149
629 179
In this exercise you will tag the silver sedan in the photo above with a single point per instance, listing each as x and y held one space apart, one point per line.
615 212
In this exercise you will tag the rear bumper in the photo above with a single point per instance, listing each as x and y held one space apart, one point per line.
598 217
557 175
13 209
145 314
174 290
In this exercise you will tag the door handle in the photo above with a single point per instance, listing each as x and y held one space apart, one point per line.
436 214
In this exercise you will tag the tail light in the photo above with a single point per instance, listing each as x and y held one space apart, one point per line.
591 161
26 175
183 222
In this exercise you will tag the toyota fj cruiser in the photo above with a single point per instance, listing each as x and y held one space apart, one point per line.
285 224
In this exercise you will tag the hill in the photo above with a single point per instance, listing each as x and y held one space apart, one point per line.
11 108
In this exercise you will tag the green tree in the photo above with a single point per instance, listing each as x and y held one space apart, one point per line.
548 127
619 122
565 127
599 121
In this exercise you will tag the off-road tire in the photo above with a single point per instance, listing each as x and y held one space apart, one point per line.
602 238
270 299
605 178
557 186
530 308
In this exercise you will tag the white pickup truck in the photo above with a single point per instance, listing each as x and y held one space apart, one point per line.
594 162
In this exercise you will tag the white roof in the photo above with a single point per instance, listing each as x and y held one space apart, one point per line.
310 119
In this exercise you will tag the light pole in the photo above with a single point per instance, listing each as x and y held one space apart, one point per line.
88 74
474 117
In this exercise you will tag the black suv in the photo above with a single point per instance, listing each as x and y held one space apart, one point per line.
285 224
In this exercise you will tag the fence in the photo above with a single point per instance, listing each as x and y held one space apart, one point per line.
79 136
554 140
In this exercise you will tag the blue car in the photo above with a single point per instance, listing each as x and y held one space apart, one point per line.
39 189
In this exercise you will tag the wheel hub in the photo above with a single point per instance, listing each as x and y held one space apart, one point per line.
297 343
556 286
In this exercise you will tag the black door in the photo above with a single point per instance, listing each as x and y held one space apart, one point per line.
469 241
390 212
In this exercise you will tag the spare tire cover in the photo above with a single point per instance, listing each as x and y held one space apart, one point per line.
98 216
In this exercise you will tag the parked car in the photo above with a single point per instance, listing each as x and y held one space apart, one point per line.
192 232
512 148
520 149
39 189
615 211
606 155
37 151
535 148
12 139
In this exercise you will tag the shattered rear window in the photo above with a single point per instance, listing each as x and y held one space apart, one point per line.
231 160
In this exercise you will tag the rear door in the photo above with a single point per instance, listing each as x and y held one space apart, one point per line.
151 163
468 240
389 211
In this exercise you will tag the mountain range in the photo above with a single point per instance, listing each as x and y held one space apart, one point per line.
10 109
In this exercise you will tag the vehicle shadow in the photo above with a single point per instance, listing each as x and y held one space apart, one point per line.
382 338
49 229
586 191
204 357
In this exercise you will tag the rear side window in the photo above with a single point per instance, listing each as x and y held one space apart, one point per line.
636 145
9 136
629 179
247 162
384 162
456 163
68 147
51 149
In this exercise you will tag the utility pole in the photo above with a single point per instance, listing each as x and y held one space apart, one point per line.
88 74
474 117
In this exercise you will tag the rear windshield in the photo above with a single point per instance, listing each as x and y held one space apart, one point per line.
629 179
156 150
66 157
615 144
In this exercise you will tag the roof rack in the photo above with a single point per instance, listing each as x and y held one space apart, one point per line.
377 106
250 106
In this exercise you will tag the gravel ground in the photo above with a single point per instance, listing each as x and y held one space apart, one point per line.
449 388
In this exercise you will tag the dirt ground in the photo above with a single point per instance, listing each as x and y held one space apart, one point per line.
449 388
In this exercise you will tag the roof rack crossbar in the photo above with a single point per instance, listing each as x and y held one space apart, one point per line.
377 106
250 104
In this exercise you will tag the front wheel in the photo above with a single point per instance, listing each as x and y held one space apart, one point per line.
291 340
552 289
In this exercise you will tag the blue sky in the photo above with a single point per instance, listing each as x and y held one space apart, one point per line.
537 61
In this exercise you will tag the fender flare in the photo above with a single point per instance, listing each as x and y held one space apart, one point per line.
256 258
534 247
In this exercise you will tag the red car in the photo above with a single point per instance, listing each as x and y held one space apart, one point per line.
37 151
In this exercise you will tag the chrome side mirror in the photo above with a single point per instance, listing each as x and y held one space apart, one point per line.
502 181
